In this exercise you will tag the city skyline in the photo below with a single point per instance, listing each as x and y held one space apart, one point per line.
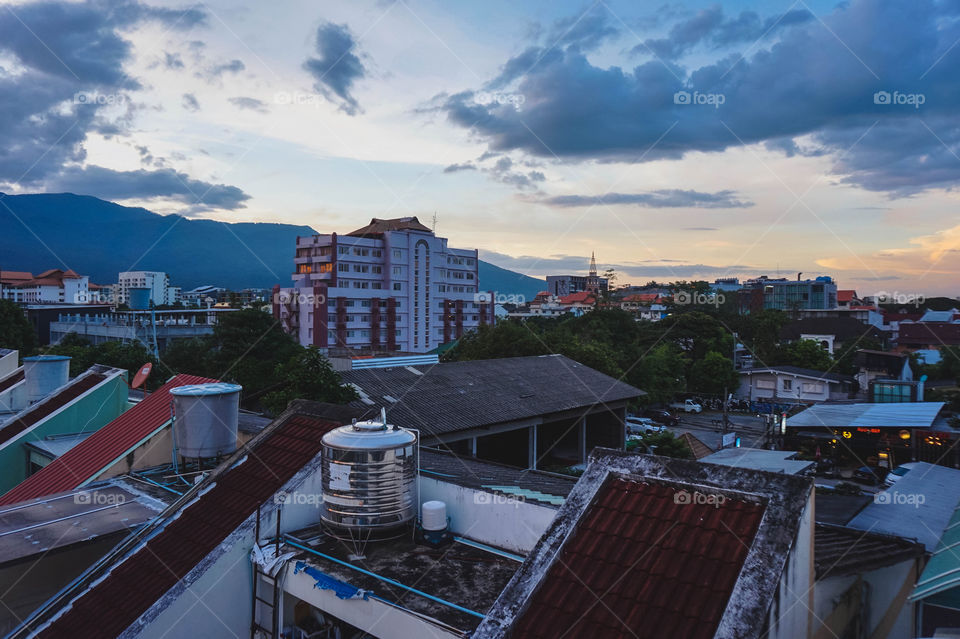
687 142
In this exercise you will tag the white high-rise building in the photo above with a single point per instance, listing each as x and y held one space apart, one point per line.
390 286
156 281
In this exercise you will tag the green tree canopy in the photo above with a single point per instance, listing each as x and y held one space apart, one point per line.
16 331
306 375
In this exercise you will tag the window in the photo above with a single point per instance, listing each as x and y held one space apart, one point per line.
788 384
342 250
397 287
325 268
304 268
376 285
376 253
376 269
397 253
343 268
365 303
397 270
765 383
812 387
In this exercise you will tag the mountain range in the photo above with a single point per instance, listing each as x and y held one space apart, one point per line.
100 239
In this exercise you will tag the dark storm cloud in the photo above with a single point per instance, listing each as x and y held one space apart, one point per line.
140 184
338 66
836 84
664 198
70 82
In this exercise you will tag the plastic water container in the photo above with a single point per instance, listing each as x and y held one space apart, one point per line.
434 515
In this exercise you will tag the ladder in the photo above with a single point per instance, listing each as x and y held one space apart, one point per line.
271 604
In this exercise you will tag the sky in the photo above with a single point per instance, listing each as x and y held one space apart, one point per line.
685 140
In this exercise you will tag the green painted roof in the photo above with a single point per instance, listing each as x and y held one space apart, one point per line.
943 570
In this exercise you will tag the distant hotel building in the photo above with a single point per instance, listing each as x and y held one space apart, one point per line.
158 282
563 285
389 286
55 286
788 295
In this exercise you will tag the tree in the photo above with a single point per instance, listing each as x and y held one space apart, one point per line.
664 444
713 374
16 331
661 373
508 338
306 375
247 346
805 353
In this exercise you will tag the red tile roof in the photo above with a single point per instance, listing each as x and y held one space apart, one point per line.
191 533
96 452
846 295
377 227
640 564
13 277
929 334
583 297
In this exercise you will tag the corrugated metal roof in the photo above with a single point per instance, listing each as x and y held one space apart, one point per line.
82 462
898 510
34 414
943 570
457 396
774 461
896 415
840 550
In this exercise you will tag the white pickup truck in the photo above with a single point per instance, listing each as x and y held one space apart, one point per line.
688 406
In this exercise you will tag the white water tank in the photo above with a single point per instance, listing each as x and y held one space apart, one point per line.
45 374
206 417
433 516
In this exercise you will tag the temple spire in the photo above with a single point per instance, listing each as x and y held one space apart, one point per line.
593 263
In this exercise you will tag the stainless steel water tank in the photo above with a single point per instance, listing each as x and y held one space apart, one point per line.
369 476
45 374
205 419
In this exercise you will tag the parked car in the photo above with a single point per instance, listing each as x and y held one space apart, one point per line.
688 406
661 416
897 473
871 475
643 426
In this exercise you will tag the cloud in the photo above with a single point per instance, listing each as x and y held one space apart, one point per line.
663 198
709 26
700 228
455 168
172 61
249 104
813 82
338 68
190 102
72 80
502 171
144 185
218 70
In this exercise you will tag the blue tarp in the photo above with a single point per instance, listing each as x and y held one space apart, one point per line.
324 581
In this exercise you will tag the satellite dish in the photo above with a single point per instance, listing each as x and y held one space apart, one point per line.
142 375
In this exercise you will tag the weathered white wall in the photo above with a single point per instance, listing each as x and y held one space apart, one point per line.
791 613
495 520
885 596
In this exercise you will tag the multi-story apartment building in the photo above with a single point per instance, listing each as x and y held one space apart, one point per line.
563 285
788 295
390 286
156 281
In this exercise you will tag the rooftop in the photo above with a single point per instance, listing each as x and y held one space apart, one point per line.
61 520
665 564
457 396
139 571
461 574
377 227
892 513
99 451
942 572
798 372
840 551
895 414
774 461
923 333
